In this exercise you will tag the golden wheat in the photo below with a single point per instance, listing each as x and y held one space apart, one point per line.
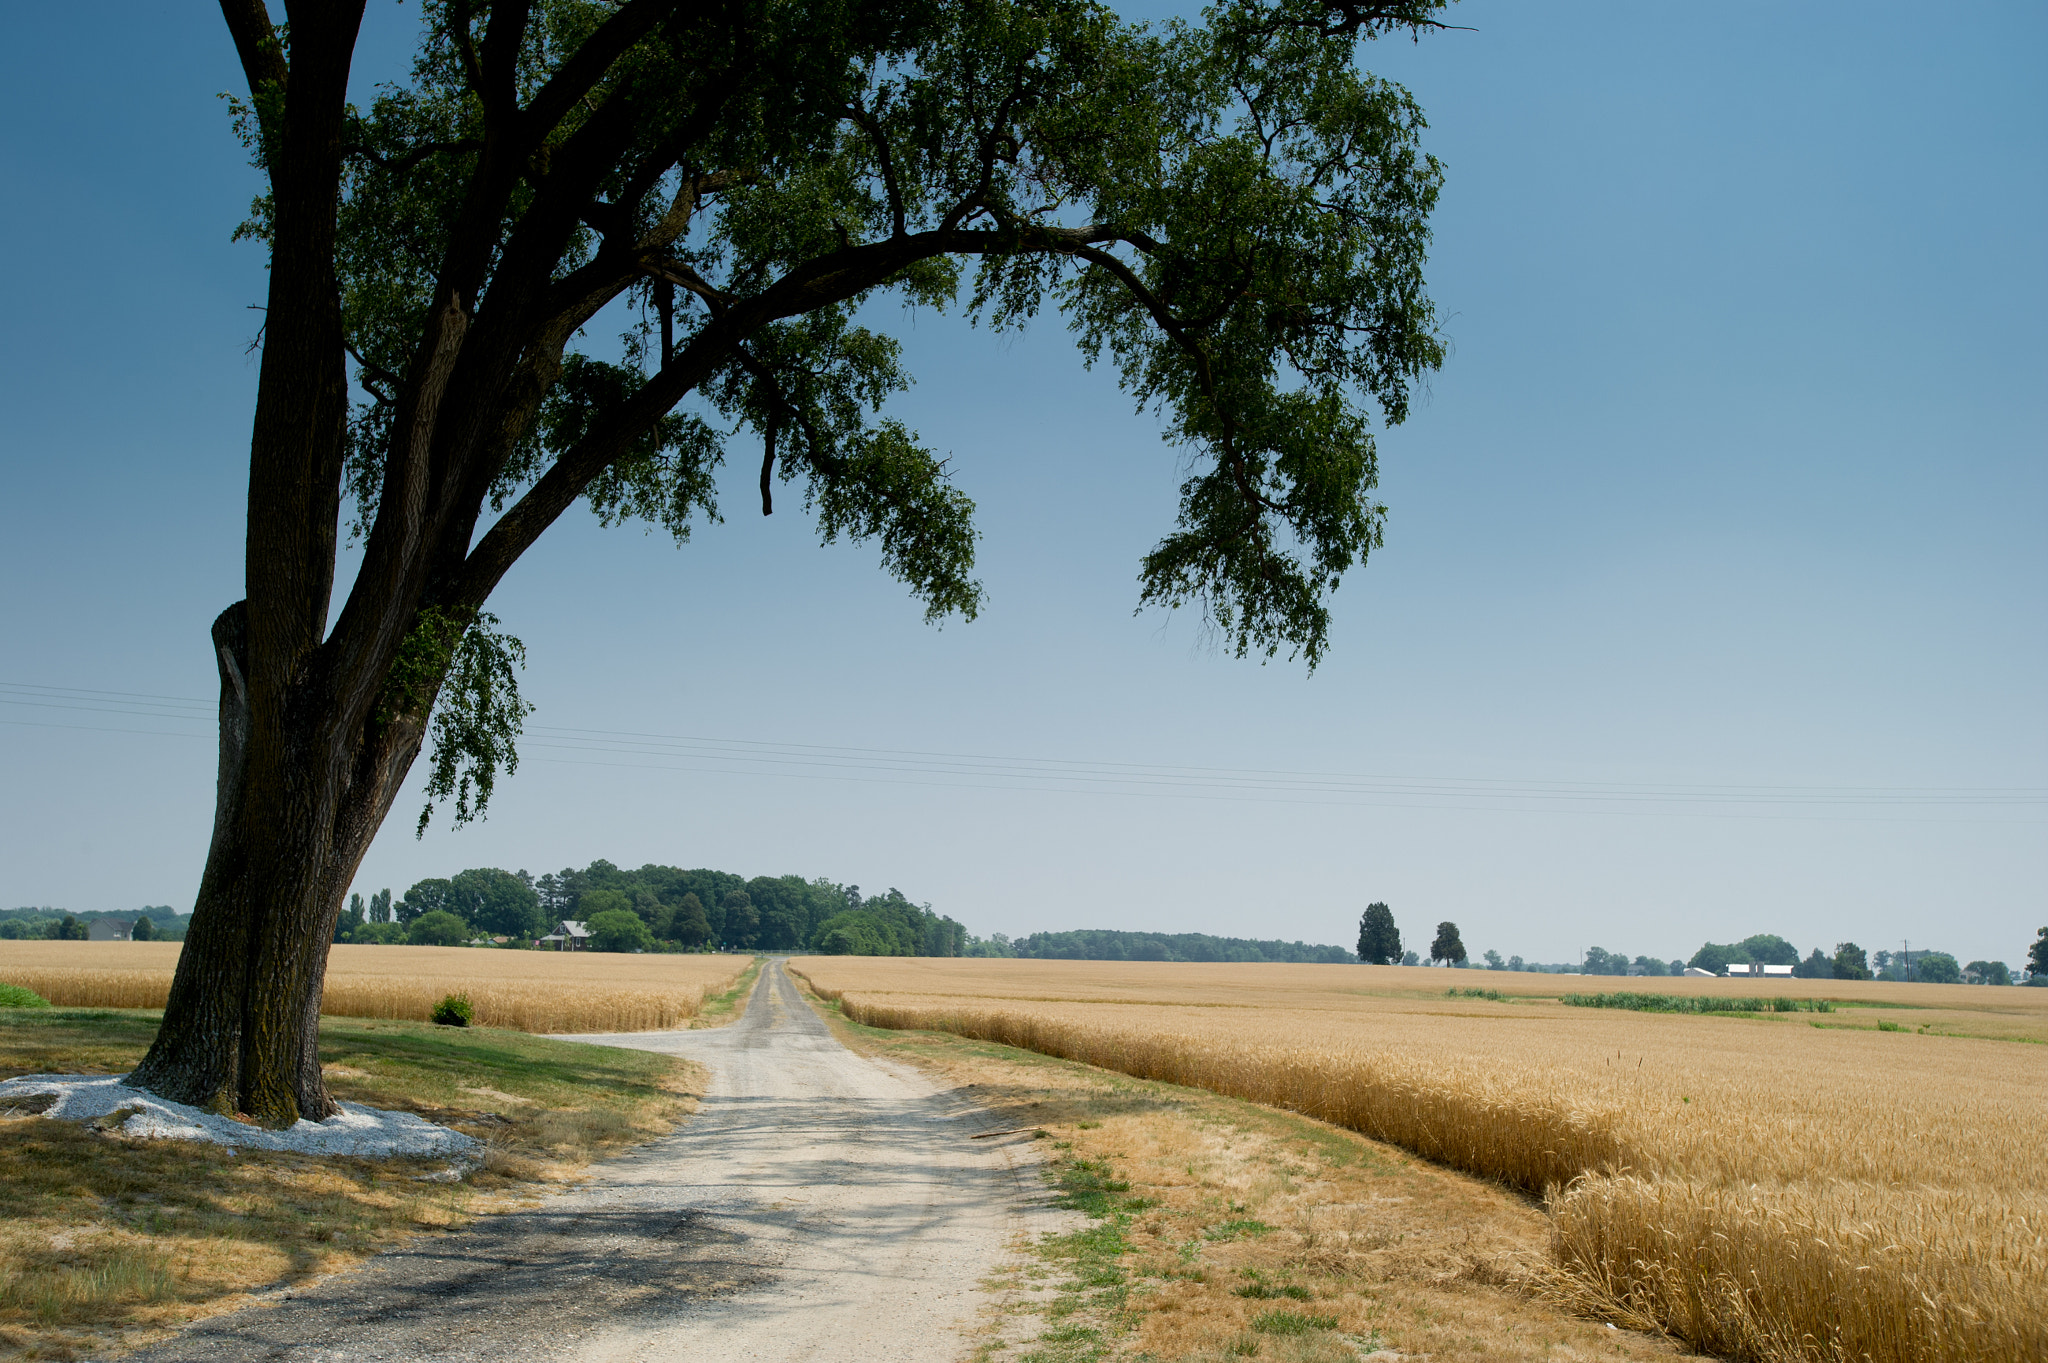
529 991
1789 1186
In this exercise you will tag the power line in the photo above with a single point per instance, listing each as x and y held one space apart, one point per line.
712 755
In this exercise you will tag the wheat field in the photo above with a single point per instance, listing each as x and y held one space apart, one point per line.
528 991
1783 1186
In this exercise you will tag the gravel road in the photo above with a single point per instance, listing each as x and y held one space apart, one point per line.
820 1206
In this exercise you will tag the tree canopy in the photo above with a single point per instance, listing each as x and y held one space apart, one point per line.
1379 941
1447 947
1109 944
1230 214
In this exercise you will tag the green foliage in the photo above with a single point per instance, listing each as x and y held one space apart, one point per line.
1599 961
592 903
2037 954
1850 963
453 1011
742 923
1936 967
426 896
1108 944
887 925
1987 972
996 946
1447 947
15 996
1762 949
1379 941
619 930
437 928
1285 1322
1816 966
143 931
496 902
1230 212
1494 994
1695 1003
1237 1228
1259 1291
690 926
376 935
71 928
477 717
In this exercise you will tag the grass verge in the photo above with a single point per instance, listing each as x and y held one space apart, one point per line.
721 1008
1222 1230
105 1240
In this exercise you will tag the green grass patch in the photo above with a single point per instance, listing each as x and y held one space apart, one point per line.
1285 1322
1237 1228
15 996
1098 1284
1494 994
1694 1003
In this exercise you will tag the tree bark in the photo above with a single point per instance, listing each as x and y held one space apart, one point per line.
292 820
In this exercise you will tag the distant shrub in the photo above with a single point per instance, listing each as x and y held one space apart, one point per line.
1493 994
14 996
454 1011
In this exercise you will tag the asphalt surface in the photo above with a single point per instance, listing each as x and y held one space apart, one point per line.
819 1206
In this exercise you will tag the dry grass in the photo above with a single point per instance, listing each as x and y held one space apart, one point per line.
1757 1185
527 991
1220 1217
104 1239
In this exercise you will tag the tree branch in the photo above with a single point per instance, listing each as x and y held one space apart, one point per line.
256 43
591 61
873 129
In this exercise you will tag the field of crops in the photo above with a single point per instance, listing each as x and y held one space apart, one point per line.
530 991
1869 1182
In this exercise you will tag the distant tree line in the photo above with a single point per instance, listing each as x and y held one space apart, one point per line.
1379 943
654 908
152 922
1104 944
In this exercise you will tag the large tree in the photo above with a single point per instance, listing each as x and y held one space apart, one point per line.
1448 946
1230 213
1379 941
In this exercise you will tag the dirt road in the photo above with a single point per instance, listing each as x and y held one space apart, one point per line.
819 1206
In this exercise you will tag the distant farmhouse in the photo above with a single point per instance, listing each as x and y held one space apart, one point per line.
111 930
569 935
1745 968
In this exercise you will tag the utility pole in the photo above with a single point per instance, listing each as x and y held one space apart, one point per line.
1906 949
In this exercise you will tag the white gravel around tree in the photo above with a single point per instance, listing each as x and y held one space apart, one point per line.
358 1131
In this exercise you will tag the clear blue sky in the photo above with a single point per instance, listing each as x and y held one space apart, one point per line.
1731 491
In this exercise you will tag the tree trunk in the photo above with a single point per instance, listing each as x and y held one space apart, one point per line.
293 816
